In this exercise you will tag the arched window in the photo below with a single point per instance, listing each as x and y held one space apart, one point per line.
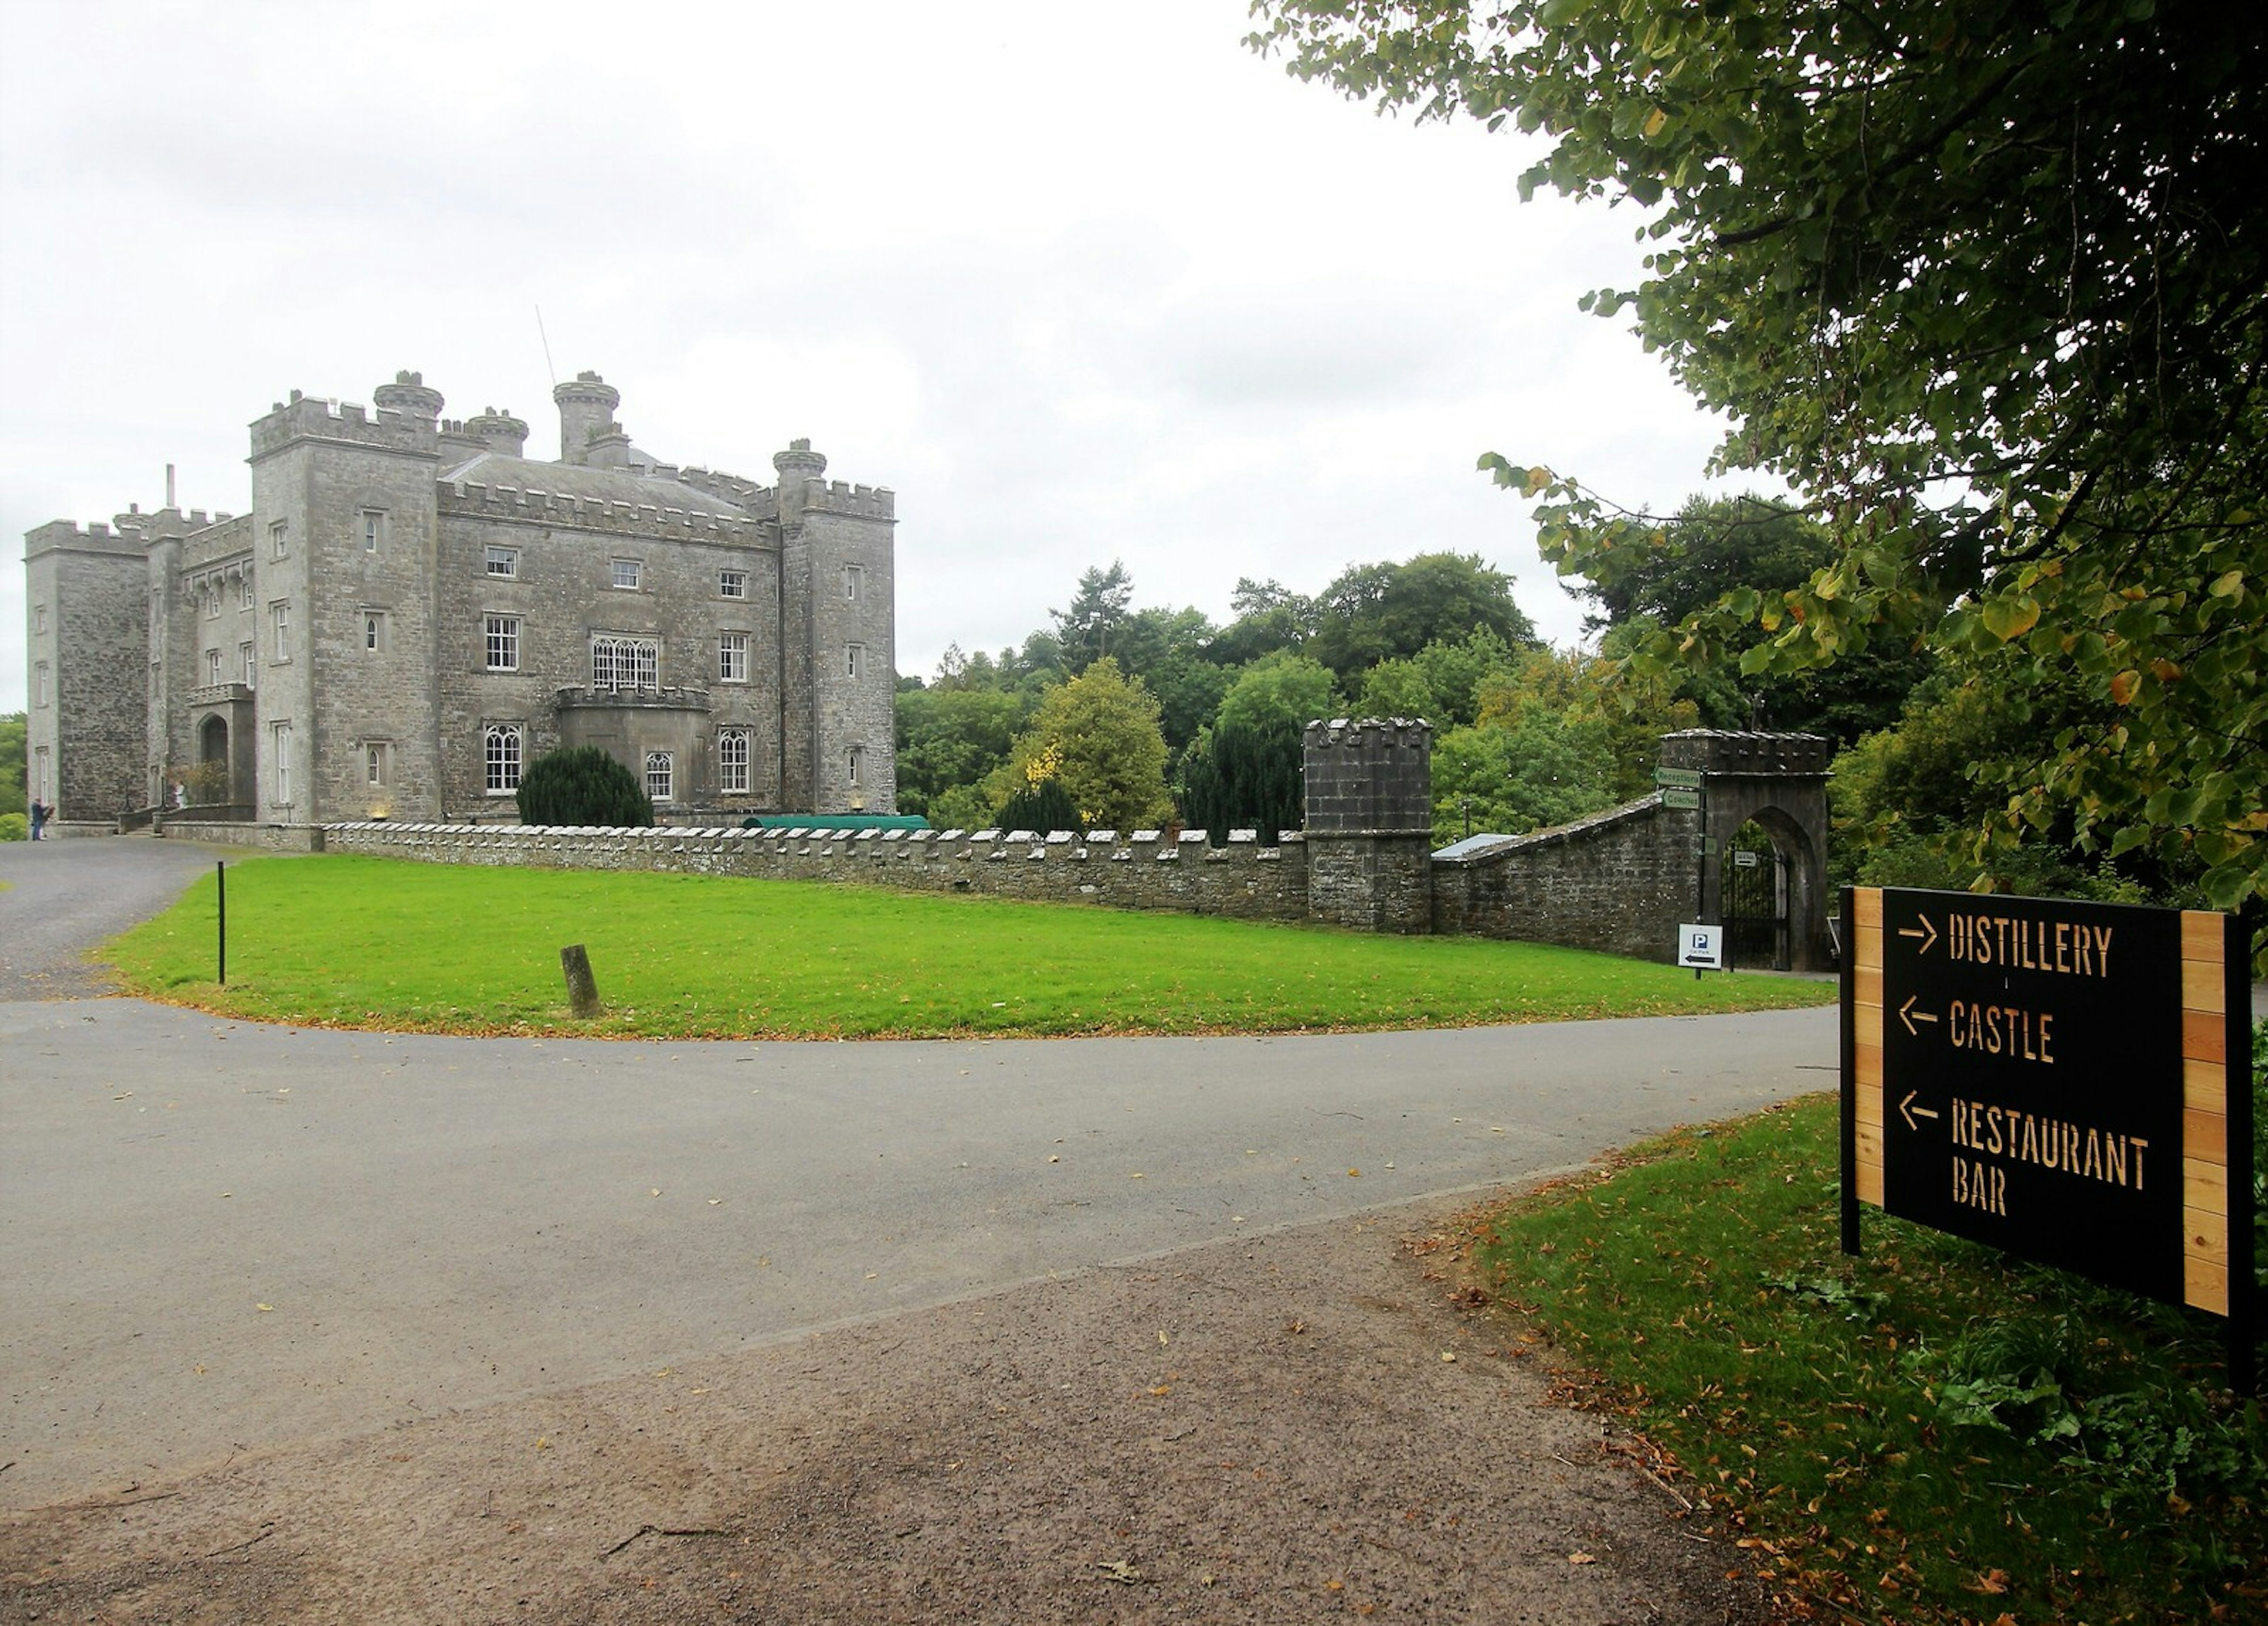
733 762
502 746
660 775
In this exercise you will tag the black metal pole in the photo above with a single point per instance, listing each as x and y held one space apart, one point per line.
1848 1136
220 881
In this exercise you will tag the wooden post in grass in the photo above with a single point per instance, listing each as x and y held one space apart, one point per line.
582 987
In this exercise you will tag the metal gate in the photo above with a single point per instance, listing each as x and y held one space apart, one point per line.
1755 911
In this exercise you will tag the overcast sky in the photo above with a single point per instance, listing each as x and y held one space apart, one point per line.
1078 282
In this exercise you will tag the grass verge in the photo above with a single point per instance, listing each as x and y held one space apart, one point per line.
1928 1434
358 942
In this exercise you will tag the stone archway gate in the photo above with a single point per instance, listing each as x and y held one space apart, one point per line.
1623 880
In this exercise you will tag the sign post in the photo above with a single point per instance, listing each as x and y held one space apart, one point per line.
2068 1082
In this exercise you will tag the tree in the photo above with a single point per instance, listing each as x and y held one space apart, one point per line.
948 739
1986 284
583 785
1379 612
15 797
1774 548
1269 616
1085 632
1098 734
1440 682
1247 770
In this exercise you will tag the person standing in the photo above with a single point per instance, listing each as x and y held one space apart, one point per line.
41 813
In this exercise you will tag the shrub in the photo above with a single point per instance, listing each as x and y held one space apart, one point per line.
15 826
1044 806
583 785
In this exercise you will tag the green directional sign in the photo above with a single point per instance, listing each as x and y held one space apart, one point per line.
1689 800
1679 778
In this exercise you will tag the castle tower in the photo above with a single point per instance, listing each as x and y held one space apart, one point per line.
586 411
345 532
1369 820
839 638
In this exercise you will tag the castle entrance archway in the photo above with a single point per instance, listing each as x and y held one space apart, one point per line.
1764 864
212 759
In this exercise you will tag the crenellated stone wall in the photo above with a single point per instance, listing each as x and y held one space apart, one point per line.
1144 870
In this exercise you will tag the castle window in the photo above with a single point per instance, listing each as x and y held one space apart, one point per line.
377 760
279 616
212 599
858 761
502 745
660 774
213 666
278 539
40 763
625 663
247 662
732 658
854 659
373 529
374 631
629 575
279 751
733 762
503 637
503 561
39 618
731 583
244 589
40 684
854 582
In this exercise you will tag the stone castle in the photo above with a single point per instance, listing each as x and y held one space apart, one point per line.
414 610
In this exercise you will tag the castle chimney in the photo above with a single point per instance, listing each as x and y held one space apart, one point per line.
169 485
586 411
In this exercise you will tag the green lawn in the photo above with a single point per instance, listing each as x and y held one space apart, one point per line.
1925 1435
352 941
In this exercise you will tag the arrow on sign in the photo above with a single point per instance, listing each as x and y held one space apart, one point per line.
1915 1112
1909 1016
1927 941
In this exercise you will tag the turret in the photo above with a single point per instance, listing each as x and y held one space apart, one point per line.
586 410
408 395
796 465
500 432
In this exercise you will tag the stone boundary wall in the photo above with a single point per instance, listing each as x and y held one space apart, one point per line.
1619 881
261 837
1145 870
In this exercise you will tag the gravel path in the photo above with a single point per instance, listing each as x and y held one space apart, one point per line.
60 899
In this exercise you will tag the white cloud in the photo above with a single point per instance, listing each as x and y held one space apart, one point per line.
1079 283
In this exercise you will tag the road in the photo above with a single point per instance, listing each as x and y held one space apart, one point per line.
220 1237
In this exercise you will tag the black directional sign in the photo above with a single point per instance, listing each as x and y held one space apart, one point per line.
2032 1073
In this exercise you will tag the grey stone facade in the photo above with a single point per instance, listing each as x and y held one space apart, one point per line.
413 610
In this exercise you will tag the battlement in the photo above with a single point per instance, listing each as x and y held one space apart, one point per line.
304 418
1726 751
1369 777
529 506
65 536
1370 734
840 496
761 501
1144 870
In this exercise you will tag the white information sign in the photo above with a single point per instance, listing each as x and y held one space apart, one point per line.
1701 945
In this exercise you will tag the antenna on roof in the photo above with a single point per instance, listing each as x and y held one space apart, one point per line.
540 333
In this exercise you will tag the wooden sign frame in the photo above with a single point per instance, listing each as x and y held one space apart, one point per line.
2154 1034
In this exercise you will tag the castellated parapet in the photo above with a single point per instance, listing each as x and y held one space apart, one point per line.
1144 870
342 424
